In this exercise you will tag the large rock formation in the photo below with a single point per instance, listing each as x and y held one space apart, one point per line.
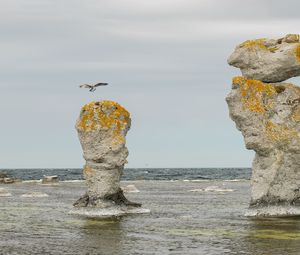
268 115
102 127
268 60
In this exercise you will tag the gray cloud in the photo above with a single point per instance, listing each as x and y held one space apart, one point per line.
165 61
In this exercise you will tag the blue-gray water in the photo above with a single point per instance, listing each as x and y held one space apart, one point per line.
184 220
140 173
193 212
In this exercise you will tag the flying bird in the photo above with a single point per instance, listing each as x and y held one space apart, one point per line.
92 88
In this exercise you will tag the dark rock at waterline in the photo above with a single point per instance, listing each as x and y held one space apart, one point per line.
8 180
3 175
4 178
117 199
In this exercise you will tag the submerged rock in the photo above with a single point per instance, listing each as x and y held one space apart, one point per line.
3 175
268 60
102 127
8 180
268 115
4 178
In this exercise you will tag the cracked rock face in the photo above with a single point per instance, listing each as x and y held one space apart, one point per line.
268 60
102 127
268 115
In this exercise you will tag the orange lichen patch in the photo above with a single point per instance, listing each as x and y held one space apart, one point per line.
88 170
291 38
295 116
253 93
297 51
281 133
257 43
104 115
239 80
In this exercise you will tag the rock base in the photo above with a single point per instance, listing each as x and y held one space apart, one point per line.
110 212
117 199
274 211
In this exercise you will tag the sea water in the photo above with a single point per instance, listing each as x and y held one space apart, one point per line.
139 173
199 216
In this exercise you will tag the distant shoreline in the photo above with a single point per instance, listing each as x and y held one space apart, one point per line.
131 174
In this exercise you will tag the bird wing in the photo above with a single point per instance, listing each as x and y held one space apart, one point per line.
85 86
101 84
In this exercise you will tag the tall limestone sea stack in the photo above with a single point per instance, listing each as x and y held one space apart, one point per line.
102 127
267 112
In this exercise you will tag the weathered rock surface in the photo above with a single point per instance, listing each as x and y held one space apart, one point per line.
102 127
268 60
268 115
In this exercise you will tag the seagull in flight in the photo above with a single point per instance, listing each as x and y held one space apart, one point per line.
92 88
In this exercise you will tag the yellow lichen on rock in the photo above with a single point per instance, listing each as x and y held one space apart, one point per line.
252 93
88 170
239 80
291 38
104 115
258 97
296 115
254 43
280 133
297 51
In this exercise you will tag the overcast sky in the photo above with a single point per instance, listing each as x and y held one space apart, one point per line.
165 61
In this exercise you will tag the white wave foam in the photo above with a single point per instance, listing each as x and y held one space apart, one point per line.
273 211
73 181
236 180
32 181
35 194
130 189
212 189
110 212
197 180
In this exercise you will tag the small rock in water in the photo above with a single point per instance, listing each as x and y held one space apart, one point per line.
8 180
4 193
35 194
50 179
3 175
130 189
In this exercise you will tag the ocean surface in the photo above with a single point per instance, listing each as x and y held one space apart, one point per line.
202 217
140 173
193 212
